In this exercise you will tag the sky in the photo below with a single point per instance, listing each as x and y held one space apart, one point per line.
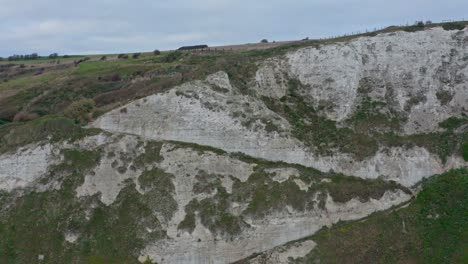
118 26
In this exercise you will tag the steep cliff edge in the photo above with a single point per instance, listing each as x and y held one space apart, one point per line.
267 163
370 107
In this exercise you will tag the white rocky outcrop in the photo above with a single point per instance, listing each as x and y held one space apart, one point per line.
195 112
24 166
203 247
400 65
108 177
282 255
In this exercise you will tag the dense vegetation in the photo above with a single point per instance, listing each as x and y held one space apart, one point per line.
432 229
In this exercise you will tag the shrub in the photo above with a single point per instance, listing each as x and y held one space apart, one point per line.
122 56
81 60
264 41
53 55
417 26
80 111
24 116
171 57
113 77
156 52
136 55
465 151
453 26
103 58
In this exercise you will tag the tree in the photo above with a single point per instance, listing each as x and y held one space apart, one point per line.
122 56
156 52
428 22
419 24
136 55
264 41
53 55
103 58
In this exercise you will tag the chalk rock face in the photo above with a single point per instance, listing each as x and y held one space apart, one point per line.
203 112
203 247
23 167
410 71
197 176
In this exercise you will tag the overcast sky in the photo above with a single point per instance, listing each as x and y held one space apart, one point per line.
115 26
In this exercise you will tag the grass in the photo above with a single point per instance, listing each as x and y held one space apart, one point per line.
188 224
265 195
196 147
370 118
150 156
465 150
214 215
454 123
316 131
159 190
48 128
125 68
432 229
206 183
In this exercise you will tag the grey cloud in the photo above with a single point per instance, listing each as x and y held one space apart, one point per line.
112 26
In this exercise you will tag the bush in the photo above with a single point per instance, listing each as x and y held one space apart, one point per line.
81 60
24 116
103 58
156 52
122 56
419 24
113 77
80 111
465 151
53 56
171 57
264 41
136 55
453 26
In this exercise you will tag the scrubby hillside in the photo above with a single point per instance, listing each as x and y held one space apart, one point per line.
257 156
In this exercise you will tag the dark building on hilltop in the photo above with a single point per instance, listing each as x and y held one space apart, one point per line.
193 47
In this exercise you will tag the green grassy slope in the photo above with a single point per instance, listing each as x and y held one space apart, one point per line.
432 229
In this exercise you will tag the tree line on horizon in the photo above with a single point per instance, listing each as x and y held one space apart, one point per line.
32 56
